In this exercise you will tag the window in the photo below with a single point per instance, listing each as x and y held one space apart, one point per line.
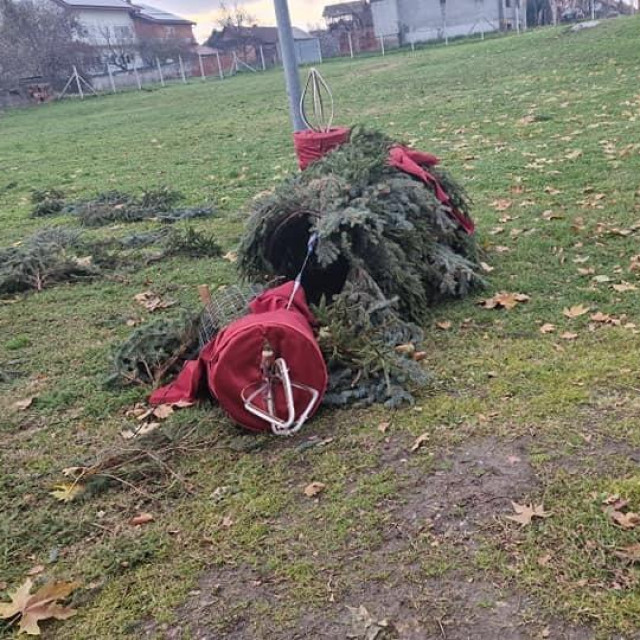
122 32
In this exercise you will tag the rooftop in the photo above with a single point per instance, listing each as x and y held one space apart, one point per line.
147 12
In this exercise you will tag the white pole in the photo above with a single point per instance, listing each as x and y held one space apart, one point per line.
264 65
135 72
160 71
111 80
350 43
517 18
77 77
184 77
382 44
593 9
202 73
220 71
413 46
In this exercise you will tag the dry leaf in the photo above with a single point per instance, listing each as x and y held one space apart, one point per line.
547 328
42 605
631 553
383 426
419 441
576 311
163 411
526 512
628 520
504 300
231 256
140 519
67 492
486 267
544 560
600 317
34 571
445 325
23 405
419 356
625 286
406 349
142 430
550 215
314 489
568 335
152 302
227 522
501 204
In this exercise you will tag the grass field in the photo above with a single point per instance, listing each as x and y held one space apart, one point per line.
543 130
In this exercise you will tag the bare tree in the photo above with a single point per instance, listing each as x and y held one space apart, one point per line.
38 39
119 47
234 16
165 49
235 23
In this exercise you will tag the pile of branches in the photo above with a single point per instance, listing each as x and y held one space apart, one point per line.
59 254
154 351
48 257
115 206
387 251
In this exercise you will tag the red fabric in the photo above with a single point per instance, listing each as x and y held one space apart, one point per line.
414 162
231 361
312 145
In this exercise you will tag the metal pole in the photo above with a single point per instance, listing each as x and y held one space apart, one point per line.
204 77
160 71
77 77
517 18
220 71
350 43
184 78
135 72
413 46
264 66
290 63
593 9
113 84
382 44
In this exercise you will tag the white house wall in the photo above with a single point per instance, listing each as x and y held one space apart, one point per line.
98 23
385 18
422 20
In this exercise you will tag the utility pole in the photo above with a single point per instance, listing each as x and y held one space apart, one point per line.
289 62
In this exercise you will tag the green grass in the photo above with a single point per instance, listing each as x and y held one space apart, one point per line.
496 374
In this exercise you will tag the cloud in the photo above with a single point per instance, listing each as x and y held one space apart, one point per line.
304 13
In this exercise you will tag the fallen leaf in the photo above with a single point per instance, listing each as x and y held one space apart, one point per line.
573 155
227 522
23 405
163 411
445 325
406 349
568 335
142 430
152 302
383 426
486 267
73 472
547 328
67 492
504 300
314 489
419 356
628 520
34 571
544 560
576 311
601 279
501 204
600 317
513 460
231 256
526 512
550 215
42 605
634 264
631 553
140 519
625 286
419 441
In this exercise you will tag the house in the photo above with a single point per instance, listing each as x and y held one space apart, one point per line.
410 21
253 44
349 27
123 33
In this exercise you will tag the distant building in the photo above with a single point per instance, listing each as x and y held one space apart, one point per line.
349 28
409 21
124 33
252 44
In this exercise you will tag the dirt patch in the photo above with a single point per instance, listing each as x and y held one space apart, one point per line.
471 486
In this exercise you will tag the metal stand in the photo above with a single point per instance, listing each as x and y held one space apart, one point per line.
80 82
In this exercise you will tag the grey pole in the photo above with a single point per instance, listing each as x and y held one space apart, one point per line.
288 52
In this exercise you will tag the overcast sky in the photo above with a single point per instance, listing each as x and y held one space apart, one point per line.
304 13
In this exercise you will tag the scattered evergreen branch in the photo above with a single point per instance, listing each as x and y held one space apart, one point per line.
155 351
48 202
191 243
